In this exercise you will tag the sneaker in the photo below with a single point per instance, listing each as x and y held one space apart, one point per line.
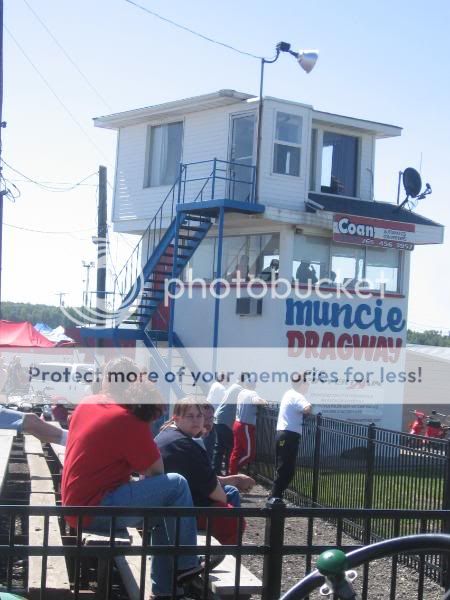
214 561
188 575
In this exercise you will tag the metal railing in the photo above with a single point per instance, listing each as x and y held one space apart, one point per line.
345 464
196 182
276 549
341 464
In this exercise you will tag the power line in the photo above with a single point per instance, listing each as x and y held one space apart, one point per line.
49 232
48 187
184 28
69 58
53 183
67 110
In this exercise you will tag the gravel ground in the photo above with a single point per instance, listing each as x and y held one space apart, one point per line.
325 534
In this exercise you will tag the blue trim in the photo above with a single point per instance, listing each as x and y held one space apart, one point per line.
161 366
226 203
218 276
178 221
111 333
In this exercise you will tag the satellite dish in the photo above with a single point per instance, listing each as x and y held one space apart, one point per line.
412 182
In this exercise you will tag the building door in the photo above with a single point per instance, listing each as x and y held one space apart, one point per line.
241 153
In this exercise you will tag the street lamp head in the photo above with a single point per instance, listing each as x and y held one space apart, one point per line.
307 59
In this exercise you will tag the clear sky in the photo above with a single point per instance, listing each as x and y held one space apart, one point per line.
385 61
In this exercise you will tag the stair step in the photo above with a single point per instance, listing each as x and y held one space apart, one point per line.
185 246
178 256
150 306
183 236
198 218
194 228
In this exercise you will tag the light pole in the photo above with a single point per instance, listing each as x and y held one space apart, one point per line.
88 266
306 59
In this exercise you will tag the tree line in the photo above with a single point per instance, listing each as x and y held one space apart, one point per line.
54 316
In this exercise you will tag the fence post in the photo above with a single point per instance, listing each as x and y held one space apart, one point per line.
274 540
368 487
316 461
446 522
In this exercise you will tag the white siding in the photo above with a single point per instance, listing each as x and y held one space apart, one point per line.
283 191
205 137
366 162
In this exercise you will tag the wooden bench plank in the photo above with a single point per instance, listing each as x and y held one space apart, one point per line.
32 445
59 452
222 579
40 477
130 568
57 585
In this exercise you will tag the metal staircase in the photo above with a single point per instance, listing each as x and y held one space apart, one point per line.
203 192
168 260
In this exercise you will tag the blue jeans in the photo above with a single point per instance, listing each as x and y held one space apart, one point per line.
233 496
170 489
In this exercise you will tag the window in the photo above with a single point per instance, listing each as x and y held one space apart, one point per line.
164 154
287 146
201 265
317 258
382 268
311 258
347 264
339 164
248 254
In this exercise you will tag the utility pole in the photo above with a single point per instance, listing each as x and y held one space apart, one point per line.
2 191
61 297
101 242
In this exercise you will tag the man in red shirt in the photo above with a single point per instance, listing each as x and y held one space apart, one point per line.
109 439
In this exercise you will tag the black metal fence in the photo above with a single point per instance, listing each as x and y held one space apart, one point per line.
349 465
279 552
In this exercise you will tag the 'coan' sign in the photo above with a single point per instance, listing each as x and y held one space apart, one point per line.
364 231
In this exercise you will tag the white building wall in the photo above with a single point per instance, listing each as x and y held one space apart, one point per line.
366 167
205 137
283 191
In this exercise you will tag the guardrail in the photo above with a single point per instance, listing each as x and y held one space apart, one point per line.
274 549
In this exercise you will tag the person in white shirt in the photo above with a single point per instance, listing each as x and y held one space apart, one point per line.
217 390
289 429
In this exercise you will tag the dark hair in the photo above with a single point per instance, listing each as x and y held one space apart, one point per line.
124 381
144 401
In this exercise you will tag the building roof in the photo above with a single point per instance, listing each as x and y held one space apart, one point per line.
362 208
171 109
178 108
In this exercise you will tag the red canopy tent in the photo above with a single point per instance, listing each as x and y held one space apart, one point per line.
22 335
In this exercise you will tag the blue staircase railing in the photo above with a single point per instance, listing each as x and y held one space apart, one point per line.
197 182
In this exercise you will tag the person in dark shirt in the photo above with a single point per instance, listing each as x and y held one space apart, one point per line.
182 454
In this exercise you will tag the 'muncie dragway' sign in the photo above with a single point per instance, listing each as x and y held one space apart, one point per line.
364 231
